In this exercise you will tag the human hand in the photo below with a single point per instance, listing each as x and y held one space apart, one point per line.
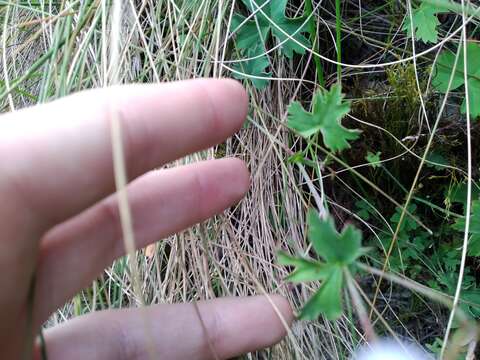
59 219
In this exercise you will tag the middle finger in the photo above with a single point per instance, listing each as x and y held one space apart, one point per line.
163 202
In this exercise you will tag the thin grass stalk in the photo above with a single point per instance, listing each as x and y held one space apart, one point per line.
312 28
338 38
466 234
120 174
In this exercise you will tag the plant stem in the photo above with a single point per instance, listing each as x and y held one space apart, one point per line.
359 307
338 28
312 28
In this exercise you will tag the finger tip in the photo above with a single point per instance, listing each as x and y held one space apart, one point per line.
242 175
275 316
237 87
239 98
237 177
284 314
232 101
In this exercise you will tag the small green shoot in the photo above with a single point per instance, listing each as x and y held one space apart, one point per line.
328 109
374 159
338 252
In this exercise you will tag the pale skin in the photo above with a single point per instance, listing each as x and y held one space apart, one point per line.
59 219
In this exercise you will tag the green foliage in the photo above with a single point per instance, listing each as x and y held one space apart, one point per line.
396 114
374 159
445 67
412 242
256 68
474 229
258 30
438 159
338 251
436 348
470 295
363 209
328 109
333 247
433 259
403 82
305 270
425 23
253 35
327 299
408 224
458 193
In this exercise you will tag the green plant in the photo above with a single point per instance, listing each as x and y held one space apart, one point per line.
457 193
364 210
474 230
312 29
437 161
50 51
338 37
412 242
374 159
328 109
425 23
338 252
254 69
444 68
268 21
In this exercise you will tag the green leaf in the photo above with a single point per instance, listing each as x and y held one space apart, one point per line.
445 66
249 33
328 111
351 241
473 297
458 193
363 209
257 31
323 236
473 97
333 247
297 158
474 228
438 159
305 270
327 300
374 159
474 245
339 251
474 220
425 23
254 67
408 224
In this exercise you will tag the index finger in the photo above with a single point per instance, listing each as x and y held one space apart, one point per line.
59 154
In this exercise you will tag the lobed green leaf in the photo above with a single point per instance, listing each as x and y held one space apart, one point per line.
305 270
425 23
327 300
327 112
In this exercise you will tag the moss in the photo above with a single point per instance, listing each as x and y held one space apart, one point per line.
403 102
